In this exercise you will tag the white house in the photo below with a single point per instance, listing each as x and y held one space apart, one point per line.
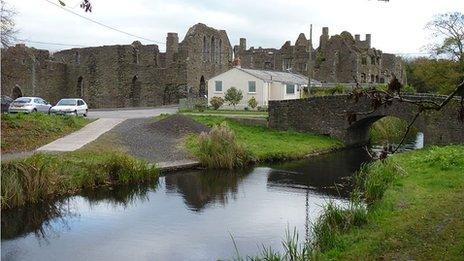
264 85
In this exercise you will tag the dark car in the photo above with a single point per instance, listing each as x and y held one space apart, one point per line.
6 103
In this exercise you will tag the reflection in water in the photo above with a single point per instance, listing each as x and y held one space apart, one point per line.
325 174
187 215
39 219
198 188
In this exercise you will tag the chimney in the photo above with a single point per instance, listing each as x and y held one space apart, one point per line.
324 37
368 40
242 44
357 37
172 46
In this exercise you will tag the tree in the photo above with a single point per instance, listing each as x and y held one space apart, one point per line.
450 28
433 75
216 102
252 102
233 96
8 24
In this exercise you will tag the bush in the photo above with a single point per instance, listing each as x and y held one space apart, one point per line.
252 102
233 96
216 102
219 149
201 104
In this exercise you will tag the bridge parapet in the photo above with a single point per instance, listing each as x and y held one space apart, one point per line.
327 115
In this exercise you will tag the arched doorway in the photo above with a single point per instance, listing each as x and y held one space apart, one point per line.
80 87
202 91
16 92
134 94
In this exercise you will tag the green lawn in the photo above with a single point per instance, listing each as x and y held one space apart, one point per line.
267 144
421 215
23 132
228 112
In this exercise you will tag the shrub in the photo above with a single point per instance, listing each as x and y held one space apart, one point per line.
201 104
217 102
219 149
233 96
252 102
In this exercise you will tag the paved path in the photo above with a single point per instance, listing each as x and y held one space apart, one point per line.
83 136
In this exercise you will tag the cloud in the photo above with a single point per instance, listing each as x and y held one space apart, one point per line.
396 26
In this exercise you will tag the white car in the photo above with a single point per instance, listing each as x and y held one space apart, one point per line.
29 104
70 106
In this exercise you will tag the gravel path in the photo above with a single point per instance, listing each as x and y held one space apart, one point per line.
157 141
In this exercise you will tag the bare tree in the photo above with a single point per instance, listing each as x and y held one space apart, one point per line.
449 27
8 25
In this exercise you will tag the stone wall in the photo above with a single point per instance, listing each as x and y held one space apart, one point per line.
326 115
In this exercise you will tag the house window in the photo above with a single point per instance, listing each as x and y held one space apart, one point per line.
218 86
252 87
290 89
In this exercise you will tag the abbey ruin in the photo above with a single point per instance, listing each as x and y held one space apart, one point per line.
140 75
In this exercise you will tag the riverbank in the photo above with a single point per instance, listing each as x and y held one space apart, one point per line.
412 210
25 132
44 177
264 144
421 214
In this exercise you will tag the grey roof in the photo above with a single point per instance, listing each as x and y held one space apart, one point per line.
276 76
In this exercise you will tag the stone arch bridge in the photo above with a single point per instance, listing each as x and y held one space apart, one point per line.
326 115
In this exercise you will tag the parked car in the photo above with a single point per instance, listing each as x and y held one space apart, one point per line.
70 106
29 104
6 101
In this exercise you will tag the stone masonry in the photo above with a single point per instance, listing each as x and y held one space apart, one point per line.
120 75
327 115
338 59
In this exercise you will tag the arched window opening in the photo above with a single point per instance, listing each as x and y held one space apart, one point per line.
220 51
16 92
80 87
202 91
77 58
135 90
213 49
135 55
205 49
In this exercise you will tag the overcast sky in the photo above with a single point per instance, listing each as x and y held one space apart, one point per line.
396 26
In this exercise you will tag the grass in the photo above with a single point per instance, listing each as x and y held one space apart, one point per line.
24 132
43 177
228 112
219 149
390 129
265 144
418 216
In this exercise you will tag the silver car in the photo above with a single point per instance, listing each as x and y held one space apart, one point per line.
29 104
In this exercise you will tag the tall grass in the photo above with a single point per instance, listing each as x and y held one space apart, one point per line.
219 149
45 176
391 130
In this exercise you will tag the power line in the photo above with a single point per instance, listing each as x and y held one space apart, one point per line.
104 25
49 43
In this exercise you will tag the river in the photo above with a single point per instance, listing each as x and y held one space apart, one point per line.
190 215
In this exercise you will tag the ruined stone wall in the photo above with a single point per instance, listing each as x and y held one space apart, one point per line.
206 53
338 58
31 72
